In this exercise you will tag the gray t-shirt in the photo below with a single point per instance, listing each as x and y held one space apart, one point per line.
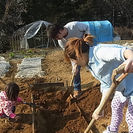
75 29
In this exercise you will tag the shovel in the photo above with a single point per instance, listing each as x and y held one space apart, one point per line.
69 90
115 83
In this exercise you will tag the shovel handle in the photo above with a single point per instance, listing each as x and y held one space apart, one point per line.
89 126
119 79
72 79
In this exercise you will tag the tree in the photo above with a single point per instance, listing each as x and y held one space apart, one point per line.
10 21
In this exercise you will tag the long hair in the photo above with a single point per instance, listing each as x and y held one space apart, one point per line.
76 46
12 91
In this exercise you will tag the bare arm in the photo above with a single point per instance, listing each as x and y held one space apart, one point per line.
128 54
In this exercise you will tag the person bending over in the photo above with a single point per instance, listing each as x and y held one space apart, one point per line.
102 32
101 60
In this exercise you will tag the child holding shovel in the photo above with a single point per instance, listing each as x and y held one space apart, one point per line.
101 60
8 100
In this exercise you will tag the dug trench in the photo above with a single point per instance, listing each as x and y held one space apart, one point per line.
52 114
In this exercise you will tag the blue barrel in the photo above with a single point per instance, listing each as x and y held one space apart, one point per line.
101 30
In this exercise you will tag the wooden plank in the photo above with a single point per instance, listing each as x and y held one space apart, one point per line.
44 85
33 114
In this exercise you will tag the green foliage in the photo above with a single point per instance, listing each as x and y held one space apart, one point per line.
30 51
4 43
11 55
63 11
27 11
17 13
27 53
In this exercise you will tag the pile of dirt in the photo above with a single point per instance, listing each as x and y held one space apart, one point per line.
52 115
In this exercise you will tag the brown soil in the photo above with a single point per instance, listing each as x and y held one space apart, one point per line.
52 115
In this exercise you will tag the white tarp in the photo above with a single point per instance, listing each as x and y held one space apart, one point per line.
29 68
30 31
4 66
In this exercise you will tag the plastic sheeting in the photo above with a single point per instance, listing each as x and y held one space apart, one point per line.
4 66
34 28
29 68
31 30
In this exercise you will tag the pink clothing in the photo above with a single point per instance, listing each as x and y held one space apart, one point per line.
117 114
6 105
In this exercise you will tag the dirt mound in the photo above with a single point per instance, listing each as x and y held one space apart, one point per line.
53 116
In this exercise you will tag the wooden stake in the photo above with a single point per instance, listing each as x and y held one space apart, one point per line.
33 114
69 90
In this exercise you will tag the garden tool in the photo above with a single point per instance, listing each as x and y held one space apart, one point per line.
69 90
115 83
